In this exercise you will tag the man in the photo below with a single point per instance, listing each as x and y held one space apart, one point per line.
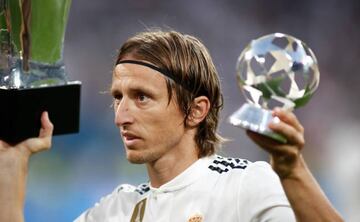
167 100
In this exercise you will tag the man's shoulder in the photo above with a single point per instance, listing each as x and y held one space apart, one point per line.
127 189
237 170
127 193
224 165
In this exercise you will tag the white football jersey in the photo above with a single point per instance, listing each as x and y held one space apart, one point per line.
213 189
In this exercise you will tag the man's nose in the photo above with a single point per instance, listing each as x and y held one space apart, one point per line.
123 113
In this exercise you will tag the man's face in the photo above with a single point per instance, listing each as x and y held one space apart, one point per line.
149 125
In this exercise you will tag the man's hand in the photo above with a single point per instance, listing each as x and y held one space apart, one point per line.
34 145
284 157
14 160
303 192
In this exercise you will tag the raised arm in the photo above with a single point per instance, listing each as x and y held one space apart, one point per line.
14 169
303 192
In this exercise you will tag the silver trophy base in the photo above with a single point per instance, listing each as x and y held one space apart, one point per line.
256 119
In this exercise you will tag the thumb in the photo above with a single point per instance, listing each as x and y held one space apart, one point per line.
43 141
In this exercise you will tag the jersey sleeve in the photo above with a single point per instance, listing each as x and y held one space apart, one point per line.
277 214
108 206
261 195
96 212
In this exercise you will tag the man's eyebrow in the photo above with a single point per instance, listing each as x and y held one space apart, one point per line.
137 88
141 88
114 91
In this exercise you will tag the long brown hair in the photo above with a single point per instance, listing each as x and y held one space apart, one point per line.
188 59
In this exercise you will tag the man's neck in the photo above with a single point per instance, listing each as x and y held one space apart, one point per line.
171 165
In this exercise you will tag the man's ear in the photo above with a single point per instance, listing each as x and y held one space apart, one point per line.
199 110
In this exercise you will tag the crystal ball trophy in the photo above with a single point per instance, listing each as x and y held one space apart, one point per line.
275 70
32 71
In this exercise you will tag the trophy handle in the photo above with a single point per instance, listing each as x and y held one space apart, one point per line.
256 119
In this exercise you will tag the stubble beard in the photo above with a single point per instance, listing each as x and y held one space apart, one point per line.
141 157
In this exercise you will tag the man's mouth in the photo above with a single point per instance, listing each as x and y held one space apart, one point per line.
129 138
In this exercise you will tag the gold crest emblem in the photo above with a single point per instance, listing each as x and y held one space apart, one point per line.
196 218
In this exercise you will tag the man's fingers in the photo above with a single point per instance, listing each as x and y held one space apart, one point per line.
261 139
270 145
45 134
43 142
292 135
46 126
3 145
283 156
289 118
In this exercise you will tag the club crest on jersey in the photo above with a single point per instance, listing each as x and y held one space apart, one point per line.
196 218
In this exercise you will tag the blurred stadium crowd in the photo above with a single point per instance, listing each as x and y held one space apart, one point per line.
83 167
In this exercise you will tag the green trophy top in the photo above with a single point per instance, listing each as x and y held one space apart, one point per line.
47 27
31 41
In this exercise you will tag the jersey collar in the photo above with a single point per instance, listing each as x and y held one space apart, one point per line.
187 177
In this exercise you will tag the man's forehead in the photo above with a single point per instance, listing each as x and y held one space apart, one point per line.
136 75
165 73
136 71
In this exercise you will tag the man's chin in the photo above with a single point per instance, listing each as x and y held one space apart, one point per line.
136 160
135 157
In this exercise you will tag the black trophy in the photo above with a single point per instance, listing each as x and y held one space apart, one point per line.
32 72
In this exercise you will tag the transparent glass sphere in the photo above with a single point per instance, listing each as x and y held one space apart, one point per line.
277 70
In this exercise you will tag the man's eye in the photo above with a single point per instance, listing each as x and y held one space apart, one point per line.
142 98
117 99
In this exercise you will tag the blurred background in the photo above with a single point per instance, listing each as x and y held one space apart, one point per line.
81 168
